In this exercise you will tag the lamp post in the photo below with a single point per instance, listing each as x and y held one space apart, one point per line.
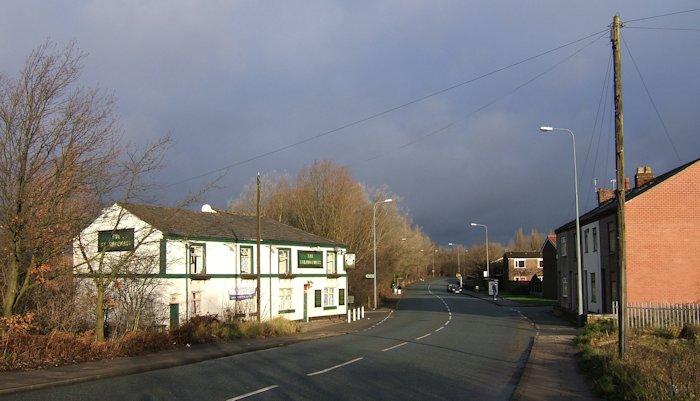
459 268
374 240
488 270
579 282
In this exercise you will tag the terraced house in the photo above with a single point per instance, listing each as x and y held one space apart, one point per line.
205 262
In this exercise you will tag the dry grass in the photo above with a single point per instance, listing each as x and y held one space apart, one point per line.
23 350
658 365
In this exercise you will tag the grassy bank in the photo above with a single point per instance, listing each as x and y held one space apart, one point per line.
24 350
658 364
526 299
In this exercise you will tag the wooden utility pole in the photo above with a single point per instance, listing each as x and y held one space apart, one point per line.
257 263
621 185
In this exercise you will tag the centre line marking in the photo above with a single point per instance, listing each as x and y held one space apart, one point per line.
395 346
334 367
422 337
262 390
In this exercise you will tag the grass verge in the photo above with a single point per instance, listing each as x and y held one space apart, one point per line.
527 299
658 365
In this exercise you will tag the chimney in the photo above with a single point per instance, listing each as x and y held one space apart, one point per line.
644 174
605 195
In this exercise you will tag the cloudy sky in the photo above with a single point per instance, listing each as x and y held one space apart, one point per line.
230 80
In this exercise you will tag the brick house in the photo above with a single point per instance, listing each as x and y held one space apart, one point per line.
662 220
549 269
521 265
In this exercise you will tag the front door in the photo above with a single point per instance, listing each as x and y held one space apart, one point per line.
306 313
174 315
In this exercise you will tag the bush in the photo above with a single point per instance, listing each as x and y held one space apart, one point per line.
689 332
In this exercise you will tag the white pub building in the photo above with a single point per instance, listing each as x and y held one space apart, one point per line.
206 262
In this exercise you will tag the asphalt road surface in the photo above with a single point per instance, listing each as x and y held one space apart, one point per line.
436 345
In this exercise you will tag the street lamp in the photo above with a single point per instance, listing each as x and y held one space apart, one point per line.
459 267
374 240
579 282
488 271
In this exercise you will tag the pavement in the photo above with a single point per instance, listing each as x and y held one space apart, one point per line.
435 345
551 371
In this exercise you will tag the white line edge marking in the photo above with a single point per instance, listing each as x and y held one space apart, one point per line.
262 390
423 336
439 328
395 346
334 367
447 322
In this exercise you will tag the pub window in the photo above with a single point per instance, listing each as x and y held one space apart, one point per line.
285 299
246 260
585 240
341 296
328 297
317 298
330 262
564 287
562 245
520 263
197 259
196 302
284 262
540 263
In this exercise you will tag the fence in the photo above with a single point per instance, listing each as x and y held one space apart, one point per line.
646 314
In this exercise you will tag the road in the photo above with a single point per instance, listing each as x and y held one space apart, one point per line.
436 345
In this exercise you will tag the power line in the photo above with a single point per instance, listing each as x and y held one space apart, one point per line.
492 102
225 169
662 15
651 99
662 28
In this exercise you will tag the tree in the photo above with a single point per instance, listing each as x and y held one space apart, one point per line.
57 142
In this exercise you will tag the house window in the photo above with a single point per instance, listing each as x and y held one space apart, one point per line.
196 255
196 303
341 296
317 298
594 232
330 262
246 259
564 287
594 291
612 237
328 297
562 245
283 261
519 263
540 263
285 300
585 240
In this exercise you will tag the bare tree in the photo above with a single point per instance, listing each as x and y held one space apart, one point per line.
57 142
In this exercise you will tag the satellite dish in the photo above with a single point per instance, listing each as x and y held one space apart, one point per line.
206 208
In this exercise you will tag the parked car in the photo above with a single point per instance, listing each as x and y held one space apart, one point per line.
452 287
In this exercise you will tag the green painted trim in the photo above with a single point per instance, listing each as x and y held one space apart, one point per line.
286 311
163 255
253 242
329 307
208 276
252 259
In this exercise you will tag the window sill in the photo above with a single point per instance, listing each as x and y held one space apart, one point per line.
330 307
333 275
249 276
286 311
201 276
287 276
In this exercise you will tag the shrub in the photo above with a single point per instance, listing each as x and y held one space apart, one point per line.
689 332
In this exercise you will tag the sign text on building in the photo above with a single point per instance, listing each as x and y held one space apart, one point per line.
115 240
310 259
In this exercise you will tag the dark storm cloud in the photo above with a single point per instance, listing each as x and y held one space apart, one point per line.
229 80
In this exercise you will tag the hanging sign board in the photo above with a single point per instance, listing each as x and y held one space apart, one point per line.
349 260
241 293
310 259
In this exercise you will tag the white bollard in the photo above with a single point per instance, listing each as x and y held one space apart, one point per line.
362 312
349 317
354 314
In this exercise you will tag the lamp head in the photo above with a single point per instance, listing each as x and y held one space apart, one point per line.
473 224
450 244
388 200
546 129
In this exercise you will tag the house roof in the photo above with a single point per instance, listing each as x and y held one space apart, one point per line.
610 207
551 239
220 225
522 254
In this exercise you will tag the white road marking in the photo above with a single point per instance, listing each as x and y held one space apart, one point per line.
262 390
422 337
439 328
395 346
334 367
447 322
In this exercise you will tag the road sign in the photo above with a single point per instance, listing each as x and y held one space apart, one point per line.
369 275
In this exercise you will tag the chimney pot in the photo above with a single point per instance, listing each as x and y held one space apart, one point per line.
644 174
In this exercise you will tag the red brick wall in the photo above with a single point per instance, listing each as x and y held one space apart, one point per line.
663 241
